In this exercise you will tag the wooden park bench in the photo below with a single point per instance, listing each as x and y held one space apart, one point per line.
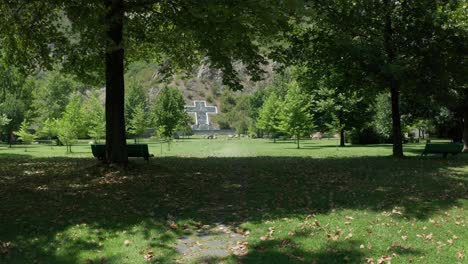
133 150
442 148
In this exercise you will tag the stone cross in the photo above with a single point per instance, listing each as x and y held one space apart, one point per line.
202 121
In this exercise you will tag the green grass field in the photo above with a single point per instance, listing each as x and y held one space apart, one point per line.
224 147
318 204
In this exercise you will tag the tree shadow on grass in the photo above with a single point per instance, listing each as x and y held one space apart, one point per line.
286 251
42 198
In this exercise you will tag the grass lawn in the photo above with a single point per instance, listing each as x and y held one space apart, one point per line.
318 204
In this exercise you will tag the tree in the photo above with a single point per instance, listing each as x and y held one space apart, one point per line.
24 134
135 98
383 115
269 115
185 125
15 96
168 111
88 40
139 122
336 105
95 121
14 109
403 51
72 124
66 132
295 116
52 95
49 129
4 120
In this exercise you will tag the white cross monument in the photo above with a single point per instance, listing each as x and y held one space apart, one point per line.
201 111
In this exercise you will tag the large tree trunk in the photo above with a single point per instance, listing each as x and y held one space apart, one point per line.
465 122
342 138
298 143
393 83
396 120
116 151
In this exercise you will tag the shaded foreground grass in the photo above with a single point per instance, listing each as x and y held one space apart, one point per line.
296 210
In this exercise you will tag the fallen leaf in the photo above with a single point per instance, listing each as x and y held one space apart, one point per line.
5 248
404 238
384 259
461 254
149 255
127 242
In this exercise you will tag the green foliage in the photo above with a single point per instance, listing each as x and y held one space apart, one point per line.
66 132
95 121
185 125
23 133
168 111
139 122
180 32
52 95
228 101
4 120
269 115
72 124
335 105
295 116
412 48
49 129
239 113
135 98
383 115
15 97
14 109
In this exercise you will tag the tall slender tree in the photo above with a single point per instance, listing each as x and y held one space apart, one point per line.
295 115
269 115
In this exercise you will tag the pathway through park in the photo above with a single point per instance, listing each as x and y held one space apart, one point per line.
211 243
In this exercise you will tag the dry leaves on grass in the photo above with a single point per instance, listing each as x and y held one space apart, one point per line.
461 254
149 255
241 248
384 259
269 236
395 211
427 237
5 248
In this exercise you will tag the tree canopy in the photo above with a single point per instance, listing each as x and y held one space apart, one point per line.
77 36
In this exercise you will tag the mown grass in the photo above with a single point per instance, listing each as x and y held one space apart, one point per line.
324 204
224 147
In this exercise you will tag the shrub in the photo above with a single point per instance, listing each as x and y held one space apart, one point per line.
365 136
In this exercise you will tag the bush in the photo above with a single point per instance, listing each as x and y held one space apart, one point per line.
365 136
209 99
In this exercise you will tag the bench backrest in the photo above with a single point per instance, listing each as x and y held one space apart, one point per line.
133 150
98 150
443 147
138 150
